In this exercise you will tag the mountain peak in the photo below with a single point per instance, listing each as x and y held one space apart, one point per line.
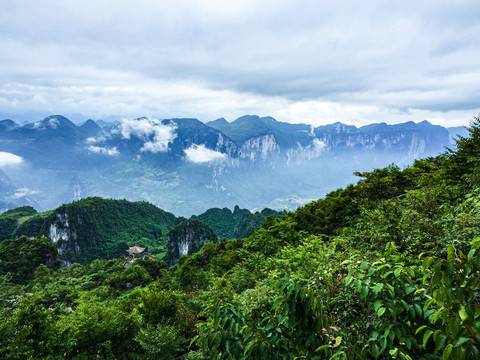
90 127
8 124
52 122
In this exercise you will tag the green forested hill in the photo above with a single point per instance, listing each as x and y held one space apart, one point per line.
9 220
96 228
388 268
239 223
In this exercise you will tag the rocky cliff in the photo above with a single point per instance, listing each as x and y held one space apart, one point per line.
187 238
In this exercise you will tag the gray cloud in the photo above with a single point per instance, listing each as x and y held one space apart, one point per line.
212 59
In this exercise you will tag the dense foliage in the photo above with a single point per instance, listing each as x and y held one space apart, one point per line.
388 268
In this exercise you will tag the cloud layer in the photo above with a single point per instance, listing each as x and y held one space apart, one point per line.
320 61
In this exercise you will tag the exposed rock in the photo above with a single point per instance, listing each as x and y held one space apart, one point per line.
187 238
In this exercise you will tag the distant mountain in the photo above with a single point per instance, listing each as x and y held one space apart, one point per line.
7 125
90 127
252 126
186 166
456 132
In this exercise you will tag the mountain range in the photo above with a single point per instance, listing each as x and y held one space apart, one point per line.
186 166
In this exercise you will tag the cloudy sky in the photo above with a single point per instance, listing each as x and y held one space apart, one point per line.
299 61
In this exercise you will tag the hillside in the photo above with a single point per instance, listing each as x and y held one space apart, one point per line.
9 220
239 224
96 228
387 268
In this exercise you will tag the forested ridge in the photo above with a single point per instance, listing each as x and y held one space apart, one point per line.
97 228
388 268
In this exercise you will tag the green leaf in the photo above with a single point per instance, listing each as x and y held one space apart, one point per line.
463 313
426 336
393 352
378 288
398 271
447 351
377 304
450 253
470 255
348 279
440 342
420 329
381 311
461 341
364 291
323 347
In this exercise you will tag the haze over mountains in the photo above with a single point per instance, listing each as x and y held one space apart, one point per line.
185 166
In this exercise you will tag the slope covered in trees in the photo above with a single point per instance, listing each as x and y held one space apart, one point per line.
388 268
239 223
96 228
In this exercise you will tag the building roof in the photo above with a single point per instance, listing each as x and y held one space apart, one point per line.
134 250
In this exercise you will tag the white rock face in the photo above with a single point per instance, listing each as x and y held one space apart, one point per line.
77 191
230 147
183 248
56 234
257 148
306 153
417 147
60 230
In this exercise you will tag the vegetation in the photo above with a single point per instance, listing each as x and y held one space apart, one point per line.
388 268
239 224
9 220
95 228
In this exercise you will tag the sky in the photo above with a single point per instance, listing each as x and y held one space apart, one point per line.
314 62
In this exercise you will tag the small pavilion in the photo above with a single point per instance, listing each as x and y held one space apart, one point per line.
135 251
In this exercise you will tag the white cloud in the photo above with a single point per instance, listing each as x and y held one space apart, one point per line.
156 135
95 140
9 159
201 154
24 192
103 150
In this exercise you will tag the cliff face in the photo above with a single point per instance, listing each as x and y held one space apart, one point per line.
187 238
